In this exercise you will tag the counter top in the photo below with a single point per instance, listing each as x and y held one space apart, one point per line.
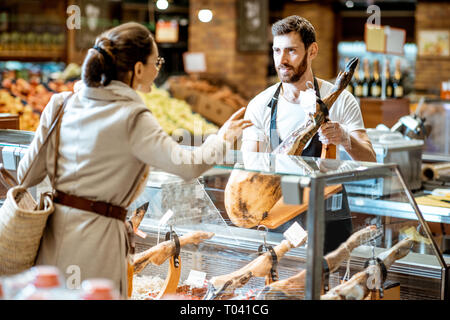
398 209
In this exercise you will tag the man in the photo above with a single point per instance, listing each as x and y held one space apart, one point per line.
279 110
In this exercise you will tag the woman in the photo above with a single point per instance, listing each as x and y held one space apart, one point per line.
108 139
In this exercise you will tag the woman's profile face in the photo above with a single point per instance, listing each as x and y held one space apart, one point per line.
149 73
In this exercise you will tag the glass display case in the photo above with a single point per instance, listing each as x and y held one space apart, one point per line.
384 248
358 243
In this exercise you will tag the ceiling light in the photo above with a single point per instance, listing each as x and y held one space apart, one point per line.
205 15
162 4
349 4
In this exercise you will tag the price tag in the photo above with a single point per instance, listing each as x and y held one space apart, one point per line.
165 218
196 279
295 234
140 233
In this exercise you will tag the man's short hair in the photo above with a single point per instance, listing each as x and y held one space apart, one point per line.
297 24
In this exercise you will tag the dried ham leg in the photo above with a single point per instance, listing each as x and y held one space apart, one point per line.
294 287
161 252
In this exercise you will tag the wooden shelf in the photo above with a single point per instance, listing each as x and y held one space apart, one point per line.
29 55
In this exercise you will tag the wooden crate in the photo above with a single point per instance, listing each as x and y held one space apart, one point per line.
213 110
9 121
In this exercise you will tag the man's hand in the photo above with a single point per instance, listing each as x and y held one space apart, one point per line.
233 127
333 132
356 143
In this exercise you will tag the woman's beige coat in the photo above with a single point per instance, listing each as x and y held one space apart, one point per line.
108 139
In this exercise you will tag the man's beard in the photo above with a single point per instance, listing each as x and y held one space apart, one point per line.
298 72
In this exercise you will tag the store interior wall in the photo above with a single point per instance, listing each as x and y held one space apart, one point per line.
431 71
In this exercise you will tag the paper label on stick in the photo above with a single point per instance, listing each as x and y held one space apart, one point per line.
295 234
140 233
196 279
165 218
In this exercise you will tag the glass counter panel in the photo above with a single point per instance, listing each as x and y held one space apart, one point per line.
373 193
281 164
384 203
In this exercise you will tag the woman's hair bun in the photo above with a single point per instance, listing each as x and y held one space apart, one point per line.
115 53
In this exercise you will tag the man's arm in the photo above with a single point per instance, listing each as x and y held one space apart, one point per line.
360 148
356 143
250 146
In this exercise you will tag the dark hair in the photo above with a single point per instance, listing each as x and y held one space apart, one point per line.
298 24
116 52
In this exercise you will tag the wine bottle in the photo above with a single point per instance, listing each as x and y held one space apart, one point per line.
389 90
398 81
366 81
349 86
375 85
357 84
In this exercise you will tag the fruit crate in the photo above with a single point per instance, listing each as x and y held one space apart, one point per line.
214 110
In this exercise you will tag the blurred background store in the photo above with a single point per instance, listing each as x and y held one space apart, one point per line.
218 56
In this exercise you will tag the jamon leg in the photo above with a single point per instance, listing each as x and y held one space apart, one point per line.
259 267
294 287
357 288
161 252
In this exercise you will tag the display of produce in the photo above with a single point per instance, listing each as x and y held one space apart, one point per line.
28 99
71 72
28 119
247 208
175 114
36 94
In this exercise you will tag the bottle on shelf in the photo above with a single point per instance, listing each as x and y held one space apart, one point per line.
397 82
375 85
357 83
366 80
98 289
389 90
349 86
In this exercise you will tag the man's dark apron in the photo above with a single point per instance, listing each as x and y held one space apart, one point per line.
338 224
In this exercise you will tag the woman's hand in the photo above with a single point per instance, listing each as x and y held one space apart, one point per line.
232 129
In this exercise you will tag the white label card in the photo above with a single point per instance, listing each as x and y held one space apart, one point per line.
295 234
140 233
165 217
196 278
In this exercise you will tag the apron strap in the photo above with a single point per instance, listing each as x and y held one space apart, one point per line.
275 139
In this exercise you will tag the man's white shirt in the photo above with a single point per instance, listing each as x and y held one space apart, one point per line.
291 116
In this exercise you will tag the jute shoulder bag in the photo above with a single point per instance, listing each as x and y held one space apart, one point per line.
22 219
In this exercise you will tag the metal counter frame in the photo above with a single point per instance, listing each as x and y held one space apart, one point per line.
315 217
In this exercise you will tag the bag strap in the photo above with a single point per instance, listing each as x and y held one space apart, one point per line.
7 177
55 123
57 138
